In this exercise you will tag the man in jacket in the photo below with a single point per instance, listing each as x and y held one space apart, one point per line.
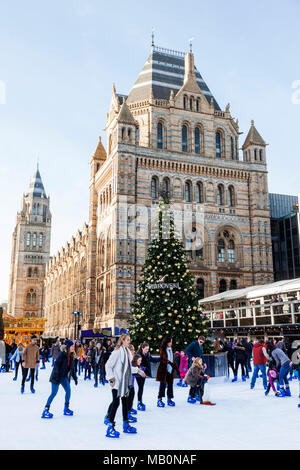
195 349
260 358
30 358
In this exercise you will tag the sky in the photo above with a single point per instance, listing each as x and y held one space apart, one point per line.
58 61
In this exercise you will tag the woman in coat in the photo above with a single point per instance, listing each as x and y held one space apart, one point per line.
165 372
63 370
119 374
17 357
143 351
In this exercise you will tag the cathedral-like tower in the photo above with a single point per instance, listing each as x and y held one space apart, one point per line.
30 252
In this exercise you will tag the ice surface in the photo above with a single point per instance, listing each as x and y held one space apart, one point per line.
241 419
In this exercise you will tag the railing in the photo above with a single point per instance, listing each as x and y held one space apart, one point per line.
278 313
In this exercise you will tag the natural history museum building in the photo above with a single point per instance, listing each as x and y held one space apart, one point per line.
167 139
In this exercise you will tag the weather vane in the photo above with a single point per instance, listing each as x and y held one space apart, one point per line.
152 36
191 43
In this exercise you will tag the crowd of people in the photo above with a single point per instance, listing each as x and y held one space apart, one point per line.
121 367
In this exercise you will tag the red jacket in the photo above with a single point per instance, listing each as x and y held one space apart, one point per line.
259 358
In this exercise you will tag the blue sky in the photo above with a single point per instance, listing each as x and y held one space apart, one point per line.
58 61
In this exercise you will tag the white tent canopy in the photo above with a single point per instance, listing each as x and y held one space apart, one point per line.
290 285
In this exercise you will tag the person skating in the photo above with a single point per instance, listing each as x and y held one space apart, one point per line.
136 362
109 347
195 349
260 357
55 350
240 359
79 357
30 359
283 365
195 378
165 372
88 361
119 374
97 361
227 347
183 367
272 376
63 370
17 358
144 352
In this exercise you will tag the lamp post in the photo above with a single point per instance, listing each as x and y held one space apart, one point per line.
76 324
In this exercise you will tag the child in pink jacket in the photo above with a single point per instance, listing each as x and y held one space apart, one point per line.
183 367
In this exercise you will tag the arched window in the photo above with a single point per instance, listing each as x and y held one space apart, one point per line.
28 299
166 187
184 133
187 192
221 250
160 135
184 102
197 140
231 252
197 105
231 196
222 285
154 188
191 104
41 239
34 209
233 284
220 195
129 133
33 299
261 155
34 239
255 154
218 144
37 209
200 287
29 272
123 133
232 148
199 193
36 272
28 239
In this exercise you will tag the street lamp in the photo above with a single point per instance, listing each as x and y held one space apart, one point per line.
76 314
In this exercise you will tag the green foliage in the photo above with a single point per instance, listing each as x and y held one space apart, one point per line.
174 312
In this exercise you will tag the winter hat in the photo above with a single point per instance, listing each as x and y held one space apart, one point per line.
68 343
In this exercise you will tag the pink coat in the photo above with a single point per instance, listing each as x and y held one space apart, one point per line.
183 365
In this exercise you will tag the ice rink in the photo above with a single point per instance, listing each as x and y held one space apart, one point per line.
241 419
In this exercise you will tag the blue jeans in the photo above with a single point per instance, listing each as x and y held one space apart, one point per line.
256 368
283 373
66 385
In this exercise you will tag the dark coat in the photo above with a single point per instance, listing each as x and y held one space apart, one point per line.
240 353
161 375
93 357
194 350
62 369
108 351
146 361
193 375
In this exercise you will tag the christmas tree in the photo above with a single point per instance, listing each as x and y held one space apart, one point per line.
166 302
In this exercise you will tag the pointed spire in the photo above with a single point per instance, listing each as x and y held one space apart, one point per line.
36 187
253 137
100 153
125 114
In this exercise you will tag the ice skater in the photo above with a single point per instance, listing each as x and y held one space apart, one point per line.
30 360
272 377
183 367
63 370
144 352
283 365
119 374
165 372
17 358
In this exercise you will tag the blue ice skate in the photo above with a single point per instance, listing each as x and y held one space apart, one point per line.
133 411
234 379
15 378
32 390
141 406
179 383
281 393
128 429
287 392
131 419
46 414
160 403
95 385
267 392
170 402
244 378
111 432
22 389
191 400
67 411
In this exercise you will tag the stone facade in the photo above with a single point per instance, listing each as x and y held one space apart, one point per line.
30 253
167 138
